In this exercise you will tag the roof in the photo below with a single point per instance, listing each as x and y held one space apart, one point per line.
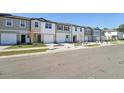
110 30
40 19
13 16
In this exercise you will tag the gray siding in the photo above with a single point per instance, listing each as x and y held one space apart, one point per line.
16 24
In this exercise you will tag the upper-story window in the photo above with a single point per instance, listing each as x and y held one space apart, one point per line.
48 26
22 23
59 27
75 28
66 28
9 22
81 29
36 24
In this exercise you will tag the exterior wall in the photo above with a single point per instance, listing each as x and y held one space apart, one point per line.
88 35
16 24
79 34
109 35
35 29
47 31
120 35
61 37
96 35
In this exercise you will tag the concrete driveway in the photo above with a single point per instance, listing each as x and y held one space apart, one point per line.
93 63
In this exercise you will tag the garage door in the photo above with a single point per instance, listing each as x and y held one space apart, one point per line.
60 38
8 38
48 39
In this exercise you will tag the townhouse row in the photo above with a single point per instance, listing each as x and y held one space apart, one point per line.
17 29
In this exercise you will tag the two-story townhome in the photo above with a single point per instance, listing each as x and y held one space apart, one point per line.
47 31
77 33
35 30
88 34
42 30
97 34
63 32
14 29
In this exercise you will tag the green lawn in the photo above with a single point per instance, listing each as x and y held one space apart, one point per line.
26 46
91 44
117 42
22 52
78 44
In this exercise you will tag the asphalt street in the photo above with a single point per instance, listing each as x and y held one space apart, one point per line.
93 63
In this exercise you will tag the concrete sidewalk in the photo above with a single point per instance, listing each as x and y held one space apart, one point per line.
55 50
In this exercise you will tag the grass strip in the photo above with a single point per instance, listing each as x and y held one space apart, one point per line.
22 52
26 46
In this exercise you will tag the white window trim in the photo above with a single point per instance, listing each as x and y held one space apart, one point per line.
6 22
24 23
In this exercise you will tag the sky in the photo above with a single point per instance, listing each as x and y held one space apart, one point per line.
101 20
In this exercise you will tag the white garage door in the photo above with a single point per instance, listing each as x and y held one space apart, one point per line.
48 39
8 38
60 38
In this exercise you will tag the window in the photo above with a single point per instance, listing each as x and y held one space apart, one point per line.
48 25
36 24
22 23
75 28
67 36
28 36
81 29
9 22
66 28
59 27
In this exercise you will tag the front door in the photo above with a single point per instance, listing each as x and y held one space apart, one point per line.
74 39
23 38
39 38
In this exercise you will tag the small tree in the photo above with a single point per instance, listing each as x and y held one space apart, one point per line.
121 28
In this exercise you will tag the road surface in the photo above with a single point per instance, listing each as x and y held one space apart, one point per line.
93 63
